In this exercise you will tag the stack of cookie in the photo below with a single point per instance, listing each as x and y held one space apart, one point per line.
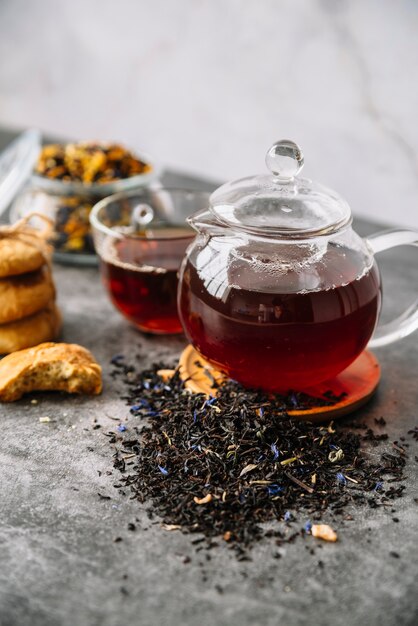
28 313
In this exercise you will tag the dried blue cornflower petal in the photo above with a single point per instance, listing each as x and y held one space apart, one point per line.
261 411
146 384
308 526
341 479
274 489
378 486
121 428
163 470
288 516
333 447
211 401
275 451
294 400
195 415
142 404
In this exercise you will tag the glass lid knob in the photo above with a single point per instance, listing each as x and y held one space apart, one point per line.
142 215
285 160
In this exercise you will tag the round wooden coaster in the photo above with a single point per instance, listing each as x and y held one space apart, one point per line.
359 382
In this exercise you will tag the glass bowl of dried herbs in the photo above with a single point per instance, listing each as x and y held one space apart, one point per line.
69 179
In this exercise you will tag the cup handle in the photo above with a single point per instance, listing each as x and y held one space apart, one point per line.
407 322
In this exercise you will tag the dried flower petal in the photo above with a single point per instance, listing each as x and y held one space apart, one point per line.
288 461
165 374
204 500
248 468
323 531
275 451
275 489
336 455
341 479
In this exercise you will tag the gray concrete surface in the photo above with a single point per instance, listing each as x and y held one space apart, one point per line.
60 565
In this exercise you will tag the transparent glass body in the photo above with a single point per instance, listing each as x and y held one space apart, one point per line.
279 315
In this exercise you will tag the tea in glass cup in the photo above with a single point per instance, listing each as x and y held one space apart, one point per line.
141 239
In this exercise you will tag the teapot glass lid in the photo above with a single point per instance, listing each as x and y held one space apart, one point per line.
280 203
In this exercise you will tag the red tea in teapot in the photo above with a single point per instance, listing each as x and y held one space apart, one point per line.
141 276
274 339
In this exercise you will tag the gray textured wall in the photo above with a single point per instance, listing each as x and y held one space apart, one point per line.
208 85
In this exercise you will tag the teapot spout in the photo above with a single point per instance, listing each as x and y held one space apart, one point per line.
204 222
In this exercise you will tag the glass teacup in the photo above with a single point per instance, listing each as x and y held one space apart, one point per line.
141 238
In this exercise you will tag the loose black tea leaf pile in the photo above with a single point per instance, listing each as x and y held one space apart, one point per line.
224 466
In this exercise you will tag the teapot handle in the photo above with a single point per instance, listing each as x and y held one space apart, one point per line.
407 322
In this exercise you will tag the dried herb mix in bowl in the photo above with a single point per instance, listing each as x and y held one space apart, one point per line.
68 181
89 162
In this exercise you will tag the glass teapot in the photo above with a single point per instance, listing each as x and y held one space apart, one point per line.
277 290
